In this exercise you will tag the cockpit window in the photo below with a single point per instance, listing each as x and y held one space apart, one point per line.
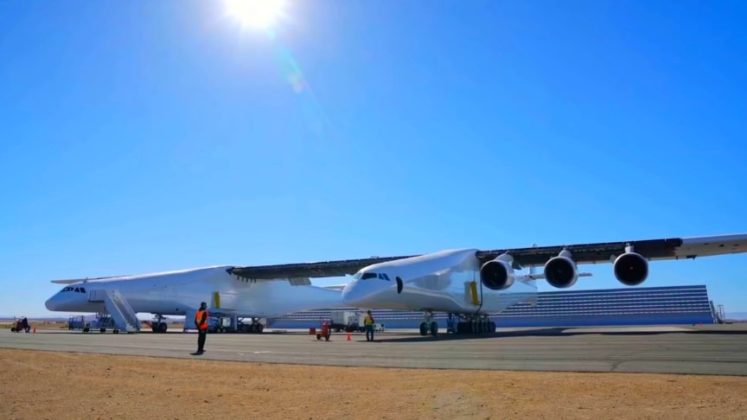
367 276
383 276
74 289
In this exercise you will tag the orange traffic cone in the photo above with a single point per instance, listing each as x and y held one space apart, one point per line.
349 334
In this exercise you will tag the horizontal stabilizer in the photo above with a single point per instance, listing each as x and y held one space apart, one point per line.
85 280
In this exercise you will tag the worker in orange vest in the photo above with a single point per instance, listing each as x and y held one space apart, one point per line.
201 321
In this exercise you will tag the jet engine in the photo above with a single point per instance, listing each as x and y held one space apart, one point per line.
631 268
498 274
561 271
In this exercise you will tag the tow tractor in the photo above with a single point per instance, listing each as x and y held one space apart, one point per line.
325 331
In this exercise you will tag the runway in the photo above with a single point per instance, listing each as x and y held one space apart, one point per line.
720 350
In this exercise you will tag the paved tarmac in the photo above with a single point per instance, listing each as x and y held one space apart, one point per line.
718 350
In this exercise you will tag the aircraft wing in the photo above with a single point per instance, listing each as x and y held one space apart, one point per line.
652 249
602 252
304 270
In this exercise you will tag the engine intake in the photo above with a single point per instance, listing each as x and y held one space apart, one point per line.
561 271
631 269
498 274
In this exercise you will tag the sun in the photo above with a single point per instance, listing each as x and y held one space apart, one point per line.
258 14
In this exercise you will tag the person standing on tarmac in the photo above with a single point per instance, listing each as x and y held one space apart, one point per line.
368 322
201 321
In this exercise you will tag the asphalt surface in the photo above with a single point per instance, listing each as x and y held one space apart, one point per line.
718 350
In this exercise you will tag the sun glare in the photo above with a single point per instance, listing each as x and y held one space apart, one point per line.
258 14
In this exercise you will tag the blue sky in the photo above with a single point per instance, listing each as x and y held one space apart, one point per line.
145 136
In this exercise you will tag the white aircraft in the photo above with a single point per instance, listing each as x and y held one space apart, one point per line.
469 283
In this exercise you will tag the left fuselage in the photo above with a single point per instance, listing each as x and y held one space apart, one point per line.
180 293
446 281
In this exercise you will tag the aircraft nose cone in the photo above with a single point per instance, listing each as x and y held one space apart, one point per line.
363 294
52 303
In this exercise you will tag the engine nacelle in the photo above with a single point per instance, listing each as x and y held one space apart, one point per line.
498 274
631 269
561 271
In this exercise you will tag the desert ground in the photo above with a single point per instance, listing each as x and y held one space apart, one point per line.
50 385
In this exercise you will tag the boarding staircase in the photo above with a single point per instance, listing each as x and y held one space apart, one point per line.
120 310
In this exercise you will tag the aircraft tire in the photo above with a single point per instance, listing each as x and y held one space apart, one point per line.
423 329
434 329
162 327
260 328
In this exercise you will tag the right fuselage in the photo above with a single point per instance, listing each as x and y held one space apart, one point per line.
446 281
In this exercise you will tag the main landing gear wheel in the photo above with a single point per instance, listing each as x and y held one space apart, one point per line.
423 328
434 328
482 326
159 327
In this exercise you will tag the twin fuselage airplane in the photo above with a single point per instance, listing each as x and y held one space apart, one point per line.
467 283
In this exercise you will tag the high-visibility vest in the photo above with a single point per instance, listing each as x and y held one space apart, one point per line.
198 319
368 320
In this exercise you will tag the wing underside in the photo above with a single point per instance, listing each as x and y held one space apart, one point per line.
604 252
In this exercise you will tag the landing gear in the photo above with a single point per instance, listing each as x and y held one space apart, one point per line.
255 327
157 325
428 326
475 324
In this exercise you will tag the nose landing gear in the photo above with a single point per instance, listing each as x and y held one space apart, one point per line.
429 325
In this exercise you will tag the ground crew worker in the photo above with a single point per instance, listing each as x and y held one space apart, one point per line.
368 322
201 321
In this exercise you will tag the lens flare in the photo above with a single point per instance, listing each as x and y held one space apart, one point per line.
258 14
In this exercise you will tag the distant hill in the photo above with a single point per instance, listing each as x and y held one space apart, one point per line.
742 316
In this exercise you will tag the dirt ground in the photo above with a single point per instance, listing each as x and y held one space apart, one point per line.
46 385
